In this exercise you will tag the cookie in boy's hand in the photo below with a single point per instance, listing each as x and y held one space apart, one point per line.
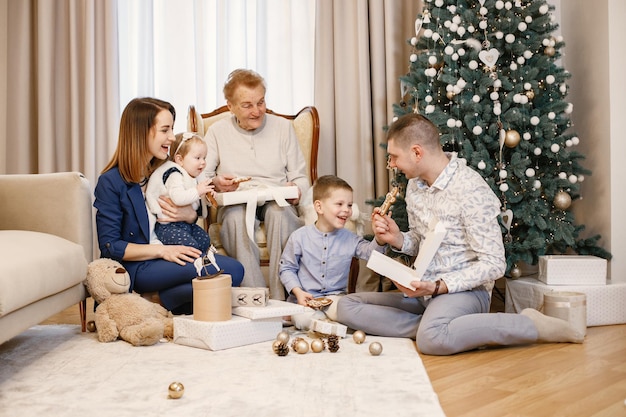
320 302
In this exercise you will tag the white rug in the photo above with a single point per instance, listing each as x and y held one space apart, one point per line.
58 371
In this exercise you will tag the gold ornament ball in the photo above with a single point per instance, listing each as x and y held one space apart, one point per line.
91 326
450 95
376 348
302 346
317 345
358 337
515 272
176 390
511 138
550 51
562 200
283 337
530 94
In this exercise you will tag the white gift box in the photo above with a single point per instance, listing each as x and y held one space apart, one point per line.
328 327
572 270
273 308
238 331
605 303
250 296
260 194
257 195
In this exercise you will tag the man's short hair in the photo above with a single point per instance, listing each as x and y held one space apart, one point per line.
326 184
414 128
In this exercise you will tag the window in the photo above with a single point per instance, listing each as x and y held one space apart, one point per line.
183 51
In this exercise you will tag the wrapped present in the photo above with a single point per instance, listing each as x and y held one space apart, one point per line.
569 306
218 335
605 303
273 308
250 296
212 298
254 196
572 270
328 327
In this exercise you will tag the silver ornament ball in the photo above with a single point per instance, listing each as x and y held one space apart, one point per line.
283 337
376 348
358 337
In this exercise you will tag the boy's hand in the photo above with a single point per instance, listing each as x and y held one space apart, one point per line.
302 296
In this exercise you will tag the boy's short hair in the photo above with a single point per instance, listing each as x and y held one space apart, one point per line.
325 184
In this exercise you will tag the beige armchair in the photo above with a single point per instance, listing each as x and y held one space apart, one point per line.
306 123
46 243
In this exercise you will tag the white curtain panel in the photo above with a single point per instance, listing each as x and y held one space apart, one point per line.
183 51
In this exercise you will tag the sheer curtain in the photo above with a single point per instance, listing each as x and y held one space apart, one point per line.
183 51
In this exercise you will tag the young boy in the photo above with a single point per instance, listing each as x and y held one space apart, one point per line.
316 260
177 179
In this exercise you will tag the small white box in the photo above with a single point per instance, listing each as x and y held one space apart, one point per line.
572 270
274 308
238 331
261 194
328 327
250 296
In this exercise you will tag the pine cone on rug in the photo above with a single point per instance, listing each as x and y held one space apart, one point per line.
333 343
280 348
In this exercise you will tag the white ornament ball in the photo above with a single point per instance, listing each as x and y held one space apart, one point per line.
522 26
428 33
581 178
528 19
521 60
482 165
513 66
413 41
482 24
499 5
438 3
499 34
544 9
494 95
562 175
413 58
526 136
497 84
483 11
502 174
510 38
461 83
575 140
429 109
545 42
555 147
428 99
504 187
530 172
432 60
569 109
461 32
534 120
448 50
573 179
472 65
459 123
550 79
451 123
537 151
436 36
551 115
477 130
537 184
497 110
476 98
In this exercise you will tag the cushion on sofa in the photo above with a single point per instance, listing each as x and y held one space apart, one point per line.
53 265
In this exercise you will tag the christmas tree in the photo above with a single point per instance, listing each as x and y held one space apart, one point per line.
486 73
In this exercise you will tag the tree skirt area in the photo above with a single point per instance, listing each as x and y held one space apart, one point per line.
56 370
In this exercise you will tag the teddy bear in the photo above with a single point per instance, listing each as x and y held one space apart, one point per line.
123 314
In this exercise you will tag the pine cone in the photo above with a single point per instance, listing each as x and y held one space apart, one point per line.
280 348
333 343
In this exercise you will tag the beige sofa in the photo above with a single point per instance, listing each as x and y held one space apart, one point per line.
46 243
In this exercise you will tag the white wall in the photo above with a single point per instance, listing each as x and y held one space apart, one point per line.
594 54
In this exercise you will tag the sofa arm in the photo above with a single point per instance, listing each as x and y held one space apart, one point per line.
57 203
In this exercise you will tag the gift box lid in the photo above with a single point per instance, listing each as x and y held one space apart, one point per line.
274 308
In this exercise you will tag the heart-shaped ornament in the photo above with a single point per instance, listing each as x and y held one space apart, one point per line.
507 218
418 26
489 57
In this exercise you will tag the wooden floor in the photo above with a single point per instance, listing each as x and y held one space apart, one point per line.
548 380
